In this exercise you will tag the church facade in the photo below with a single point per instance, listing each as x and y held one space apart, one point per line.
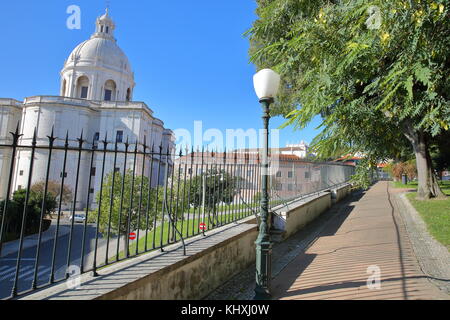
96 99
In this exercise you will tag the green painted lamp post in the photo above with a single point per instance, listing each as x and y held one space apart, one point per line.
266 84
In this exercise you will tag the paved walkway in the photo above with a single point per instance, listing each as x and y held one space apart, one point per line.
335 266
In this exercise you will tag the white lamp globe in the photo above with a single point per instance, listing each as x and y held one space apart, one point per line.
266 84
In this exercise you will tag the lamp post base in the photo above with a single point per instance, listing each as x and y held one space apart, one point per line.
262 294
263 267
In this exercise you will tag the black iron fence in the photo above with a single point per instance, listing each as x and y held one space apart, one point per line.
74 206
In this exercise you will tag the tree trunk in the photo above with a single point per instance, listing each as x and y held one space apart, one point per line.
428 185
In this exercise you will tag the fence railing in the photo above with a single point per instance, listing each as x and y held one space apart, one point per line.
72 206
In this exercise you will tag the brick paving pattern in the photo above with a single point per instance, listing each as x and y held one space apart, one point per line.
335 266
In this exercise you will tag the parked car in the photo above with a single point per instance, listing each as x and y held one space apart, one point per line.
79 218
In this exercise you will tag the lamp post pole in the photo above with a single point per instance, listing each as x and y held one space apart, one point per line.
266 84
263 243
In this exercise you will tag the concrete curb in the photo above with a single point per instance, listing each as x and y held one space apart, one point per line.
433 257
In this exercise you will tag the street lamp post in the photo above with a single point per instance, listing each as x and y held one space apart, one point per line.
266 84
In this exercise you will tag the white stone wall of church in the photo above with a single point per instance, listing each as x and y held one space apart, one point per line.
97 79
10 116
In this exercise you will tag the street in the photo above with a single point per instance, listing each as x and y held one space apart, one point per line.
28 258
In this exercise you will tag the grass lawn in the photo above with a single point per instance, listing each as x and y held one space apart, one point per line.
186 228
435 213
410 185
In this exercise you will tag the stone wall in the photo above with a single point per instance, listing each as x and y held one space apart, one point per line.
196 278
296 215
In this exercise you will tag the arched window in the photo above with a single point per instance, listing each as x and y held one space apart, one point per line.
128 94
83 87
110 91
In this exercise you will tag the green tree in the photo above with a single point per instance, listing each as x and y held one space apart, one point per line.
13 219
214 187
135 204
377 86
54 190
364 174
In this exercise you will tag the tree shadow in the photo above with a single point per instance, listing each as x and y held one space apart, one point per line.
333 218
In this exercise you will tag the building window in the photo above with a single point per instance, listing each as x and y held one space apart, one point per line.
97 136
307 175
107 29
93 171
290 187
190 171
279 187
249 173
119 136
19 187
91 190
21 173
290 174
108 95
101 29
279 174
84 92
61 175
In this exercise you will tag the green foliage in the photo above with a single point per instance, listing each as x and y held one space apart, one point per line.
364 174
137 204
53 189
13 218
257 198
440 152
365 83
436 214
220 187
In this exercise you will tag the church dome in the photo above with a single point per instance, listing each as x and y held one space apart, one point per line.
99 52
101 49
97 69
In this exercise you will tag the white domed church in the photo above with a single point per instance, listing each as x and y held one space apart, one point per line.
96 98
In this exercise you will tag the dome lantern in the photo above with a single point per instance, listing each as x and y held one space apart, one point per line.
104 27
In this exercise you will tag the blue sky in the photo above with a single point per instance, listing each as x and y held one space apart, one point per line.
189 57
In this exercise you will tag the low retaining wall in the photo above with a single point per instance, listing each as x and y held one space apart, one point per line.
195 277
296 215
337 194
210 261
